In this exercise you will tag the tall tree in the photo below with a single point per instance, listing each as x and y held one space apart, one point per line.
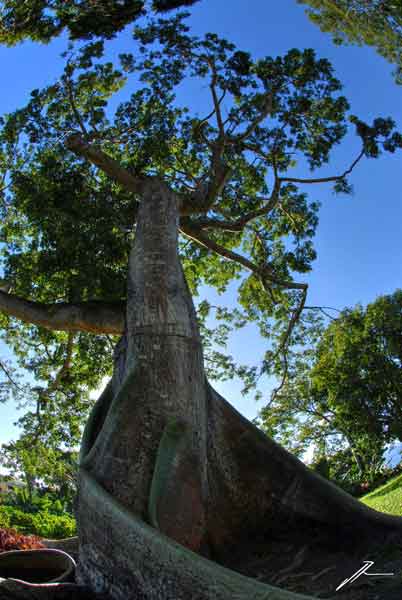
377 23
108 220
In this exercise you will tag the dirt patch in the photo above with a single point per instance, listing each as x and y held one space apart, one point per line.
310 566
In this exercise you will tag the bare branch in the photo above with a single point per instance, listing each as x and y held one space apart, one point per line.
43 396
326 179
9 377
203 197
324 310
92 317
205 119
321 307
284 344
218 172
217 103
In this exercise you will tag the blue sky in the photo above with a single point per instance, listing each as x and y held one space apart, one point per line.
359 237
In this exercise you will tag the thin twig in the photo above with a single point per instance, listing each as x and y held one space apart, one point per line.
9 377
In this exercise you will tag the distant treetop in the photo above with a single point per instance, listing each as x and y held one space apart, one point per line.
377 23
42 20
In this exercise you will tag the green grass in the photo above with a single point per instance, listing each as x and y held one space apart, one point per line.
386 498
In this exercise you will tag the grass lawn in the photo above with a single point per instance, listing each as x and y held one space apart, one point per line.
387 498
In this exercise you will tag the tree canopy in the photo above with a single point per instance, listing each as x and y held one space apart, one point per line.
73 170
377 23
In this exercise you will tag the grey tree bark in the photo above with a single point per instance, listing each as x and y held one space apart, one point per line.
171 476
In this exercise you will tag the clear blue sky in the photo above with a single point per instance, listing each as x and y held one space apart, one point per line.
359 237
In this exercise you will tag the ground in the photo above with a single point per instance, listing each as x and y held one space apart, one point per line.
303 564
313 569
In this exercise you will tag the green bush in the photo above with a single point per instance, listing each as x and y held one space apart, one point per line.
53 526
42 523
4 518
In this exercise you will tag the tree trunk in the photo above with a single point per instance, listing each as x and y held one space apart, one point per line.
158 385
170 471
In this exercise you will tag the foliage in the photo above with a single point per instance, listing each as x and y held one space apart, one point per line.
343 391
341 469
10 539
280 111
42 523
377 23
39 465
41 20
68 219
39 501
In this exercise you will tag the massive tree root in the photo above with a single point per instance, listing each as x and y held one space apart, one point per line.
173 480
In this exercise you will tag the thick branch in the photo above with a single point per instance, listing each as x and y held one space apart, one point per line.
203 198
92 317
106 163
219 171
111 167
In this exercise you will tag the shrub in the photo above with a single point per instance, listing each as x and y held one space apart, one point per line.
53 526
42 523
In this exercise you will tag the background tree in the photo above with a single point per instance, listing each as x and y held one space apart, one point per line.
376 23
343 392
42 467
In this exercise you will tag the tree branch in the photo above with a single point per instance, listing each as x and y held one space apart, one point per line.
106 163
194 203
263 272
326 179
324 309
92 317
80 122
241 222
217 103
9 377
65 366
252 127
284 343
